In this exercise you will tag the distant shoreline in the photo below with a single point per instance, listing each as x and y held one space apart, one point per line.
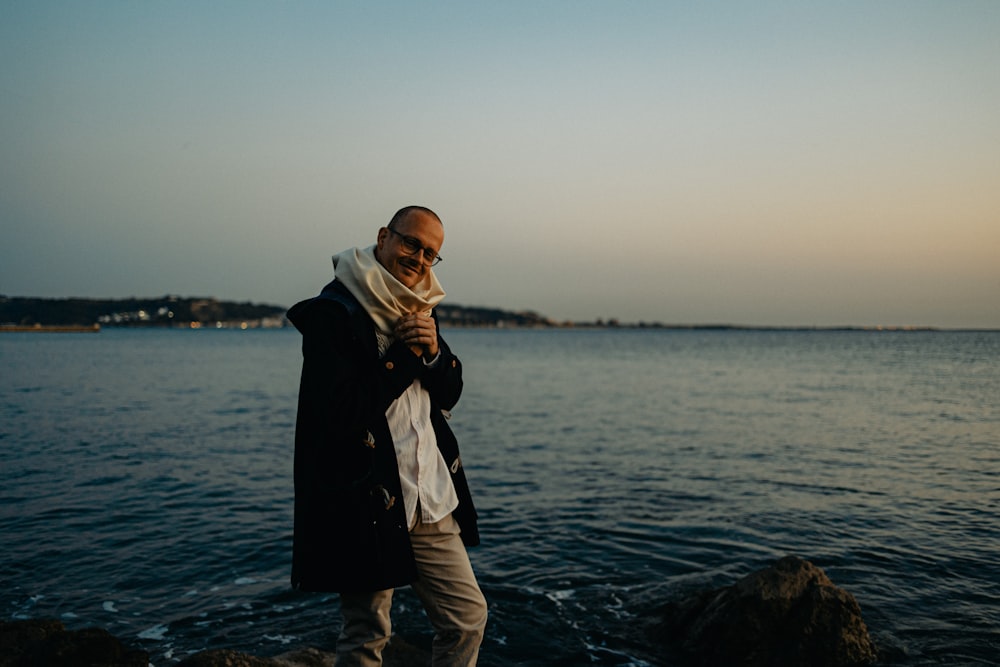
80 315
230 326
51 328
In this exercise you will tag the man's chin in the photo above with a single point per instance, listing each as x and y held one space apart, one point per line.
408 277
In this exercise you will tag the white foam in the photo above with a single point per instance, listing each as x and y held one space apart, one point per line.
156 633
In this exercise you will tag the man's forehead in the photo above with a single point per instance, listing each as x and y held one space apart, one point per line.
420 223
417 217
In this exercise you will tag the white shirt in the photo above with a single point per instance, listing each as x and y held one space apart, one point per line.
422 469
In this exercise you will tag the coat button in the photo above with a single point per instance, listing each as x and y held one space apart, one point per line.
389 365
454 363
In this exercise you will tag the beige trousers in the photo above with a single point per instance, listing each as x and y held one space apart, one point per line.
447 587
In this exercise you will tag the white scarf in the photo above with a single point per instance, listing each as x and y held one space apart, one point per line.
382 296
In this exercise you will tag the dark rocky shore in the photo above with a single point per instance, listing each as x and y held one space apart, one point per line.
787 614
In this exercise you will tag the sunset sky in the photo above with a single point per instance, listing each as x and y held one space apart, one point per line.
760 163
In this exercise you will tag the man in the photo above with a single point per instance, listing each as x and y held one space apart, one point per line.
381 498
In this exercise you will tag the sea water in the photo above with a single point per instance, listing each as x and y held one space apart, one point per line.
146 484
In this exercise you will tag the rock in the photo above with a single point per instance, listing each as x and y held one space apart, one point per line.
225 658
787 614
308 657
398 653
47 642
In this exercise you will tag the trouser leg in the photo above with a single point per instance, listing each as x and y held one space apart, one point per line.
450 594
366 630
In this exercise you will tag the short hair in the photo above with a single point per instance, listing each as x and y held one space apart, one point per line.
403 213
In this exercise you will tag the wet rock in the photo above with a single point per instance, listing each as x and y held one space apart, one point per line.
787 614
308 657
47 642
397 654
225 658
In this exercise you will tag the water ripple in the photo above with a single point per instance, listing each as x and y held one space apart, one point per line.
612 470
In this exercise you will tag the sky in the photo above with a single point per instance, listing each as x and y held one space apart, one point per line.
758 163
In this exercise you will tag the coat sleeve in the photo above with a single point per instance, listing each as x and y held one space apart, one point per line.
345 536
344 391
343 387
444 381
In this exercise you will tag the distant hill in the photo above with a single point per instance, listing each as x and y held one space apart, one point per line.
196 312
168 311
478 316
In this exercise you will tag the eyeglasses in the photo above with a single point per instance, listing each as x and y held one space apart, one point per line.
412 246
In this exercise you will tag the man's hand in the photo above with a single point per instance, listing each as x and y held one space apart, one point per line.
418 331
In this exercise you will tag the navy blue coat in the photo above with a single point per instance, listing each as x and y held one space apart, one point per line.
350 524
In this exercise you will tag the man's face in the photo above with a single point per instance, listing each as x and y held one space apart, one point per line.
391 250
